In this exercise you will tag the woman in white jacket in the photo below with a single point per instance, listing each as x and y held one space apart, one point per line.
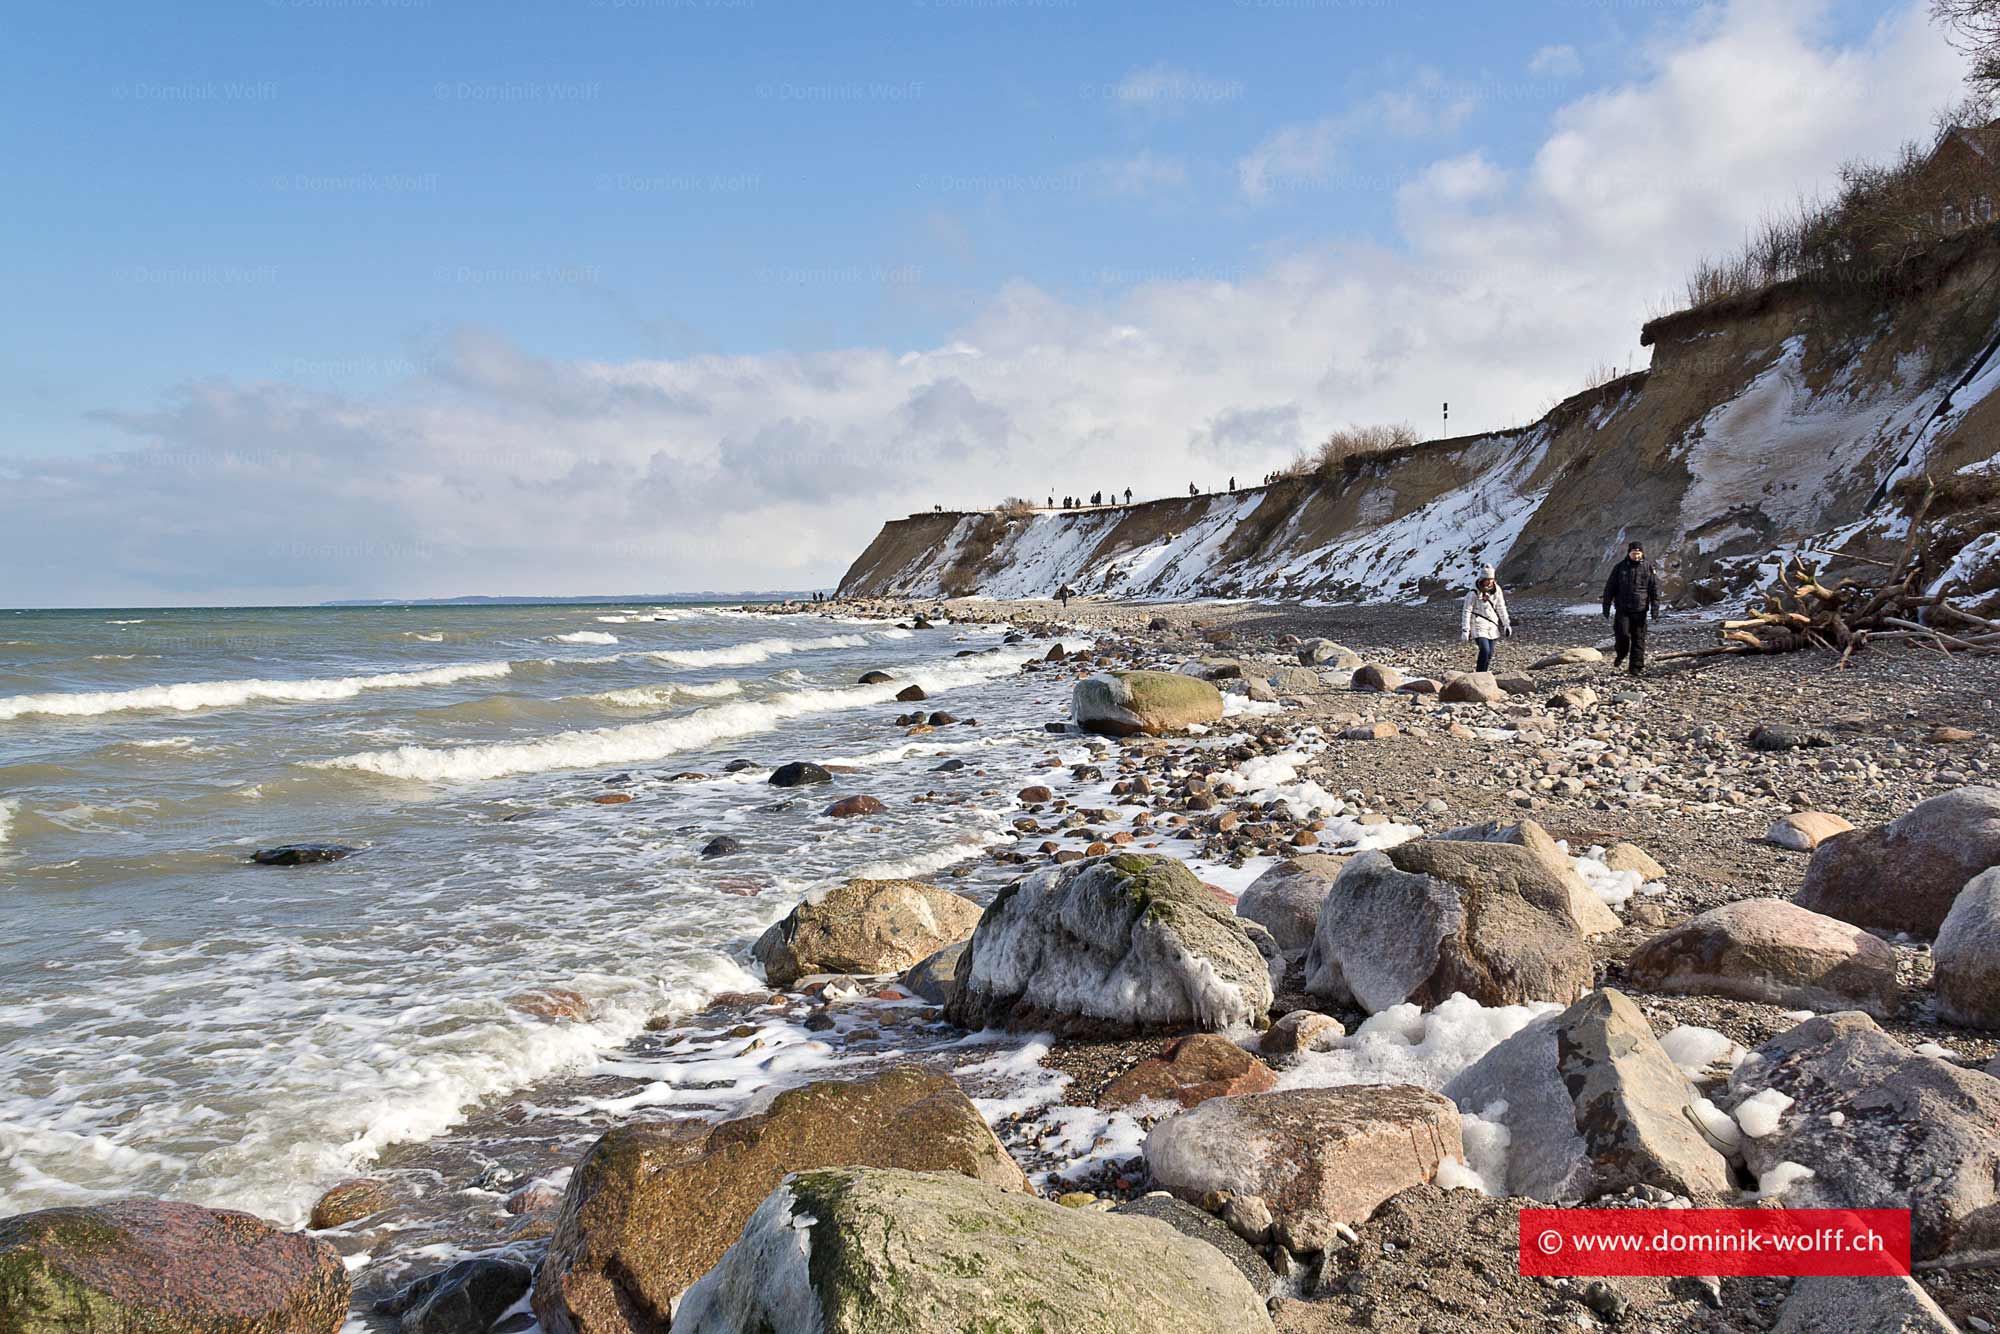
1486 616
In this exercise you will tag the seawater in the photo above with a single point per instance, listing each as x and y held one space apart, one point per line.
176 1021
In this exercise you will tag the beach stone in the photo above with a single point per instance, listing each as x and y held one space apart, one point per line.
304 854
1517 684
1300 1031
1121 945
1204 1227
1297 681
1946 735
861 1250
1311 1160
1285 900
1632 857
1967 955
1592 915
1574 699
911 694
1324 652
1775 952
936 978
555 1004
1422 920
1594 1106
722 845
1802 831
1374 676
1191 1070
1782 737
1569 657
1471 688
1215 669
165 1268
1903 876
1913 1131
875 678
349 1201
653 1205
613 799
1152 703
1892 1304
865 926
464 1299
799 773
1369 732
1031 796
848 808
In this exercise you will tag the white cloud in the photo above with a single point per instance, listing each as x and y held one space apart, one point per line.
1556 62
498 471
1307 154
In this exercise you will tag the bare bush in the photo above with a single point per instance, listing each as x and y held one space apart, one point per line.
1014 507
1348 444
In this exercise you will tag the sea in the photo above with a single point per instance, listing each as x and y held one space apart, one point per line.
179 1021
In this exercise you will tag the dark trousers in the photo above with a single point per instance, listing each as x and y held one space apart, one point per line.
1628 631
1485 654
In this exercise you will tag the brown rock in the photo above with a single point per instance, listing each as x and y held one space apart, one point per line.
1472 688
911 695
1369 732
1775 952
348 1202
1309 1160
653 1205
1592 916
1802 831
1030 796
1903 876
1632 857
159 1267
551 1003
613 799
867 927
1190 1070
1374 676
1300 1031
849 807
1942 735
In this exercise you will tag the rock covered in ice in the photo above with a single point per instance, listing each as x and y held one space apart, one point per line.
1125 944
865 926
1592 1105
1305 1162
1904 875
1775 952
654 1204
1423 920
1878 1126
859 1250
1285 900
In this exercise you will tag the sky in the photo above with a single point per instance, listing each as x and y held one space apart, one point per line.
315 299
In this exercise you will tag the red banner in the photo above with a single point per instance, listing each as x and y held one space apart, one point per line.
1742 1243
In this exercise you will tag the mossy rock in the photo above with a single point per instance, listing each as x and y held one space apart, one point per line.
1153 703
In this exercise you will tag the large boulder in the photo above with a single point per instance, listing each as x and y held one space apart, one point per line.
1204 1227
1325 653
1967 955
1593 1106
865 926
861 1250
1772 951
1305 1162
1472 688
465 1298
1423 920
1111 946
1592 915
936 977
1891 1304
1879 1127
1903 876
1377 677
165 1268
1155 703
799 773
1285 900
653 1205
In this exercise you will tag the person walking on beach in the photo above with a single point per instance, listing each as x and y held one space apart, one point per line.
1633 591
1485 620
1063 594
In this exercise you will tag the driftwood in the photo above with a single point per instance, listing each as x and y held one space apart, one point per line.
1800 610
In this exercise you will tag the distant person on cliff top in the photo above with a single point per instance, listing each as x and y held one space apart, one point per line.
1128 495
1232 485
1485 621
1633 592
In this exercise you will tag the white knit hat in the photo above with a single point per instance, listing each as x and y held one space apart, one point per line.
1486 572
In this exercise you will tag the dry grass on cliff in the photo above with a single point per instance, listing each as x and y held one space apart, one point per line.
1348 444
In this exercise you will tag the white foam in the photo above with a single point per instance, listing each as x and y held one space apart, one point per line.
8 805
1695 1050
1760 1113
660 696
222 694
585 637
1405 1045
757 650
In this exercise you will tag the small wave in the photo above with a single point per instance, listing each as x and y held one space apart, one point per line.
138 622
659 696
7 808
757 650
437 638
584 637
189 695
639 743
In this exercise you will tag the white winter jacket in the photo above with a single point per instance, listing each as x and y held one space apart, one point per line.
1486 614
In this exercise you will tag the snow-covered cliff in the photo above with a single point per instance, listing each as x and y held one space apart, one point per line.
1793 417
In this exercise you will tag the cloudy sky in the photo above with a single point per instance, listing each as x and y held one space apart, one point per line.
314 299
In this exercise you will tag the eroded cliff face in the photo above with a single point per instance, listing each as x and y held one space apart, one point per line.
1794 418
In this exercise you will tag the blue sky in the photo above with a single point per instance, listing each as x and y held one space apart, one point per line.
371 231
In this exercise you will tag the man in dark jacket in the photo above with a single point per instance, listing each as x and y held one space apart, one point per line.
1634 592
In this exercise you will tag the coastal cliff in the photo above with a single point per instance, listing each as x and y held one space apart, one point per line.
1797 416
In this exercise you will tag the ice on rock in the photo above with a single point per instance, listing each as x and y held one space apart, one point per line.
765 1274
1759 1113
1405 1045
1697 1050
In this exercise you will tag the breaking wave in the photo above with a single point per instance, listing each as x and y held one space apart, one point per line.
189 695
